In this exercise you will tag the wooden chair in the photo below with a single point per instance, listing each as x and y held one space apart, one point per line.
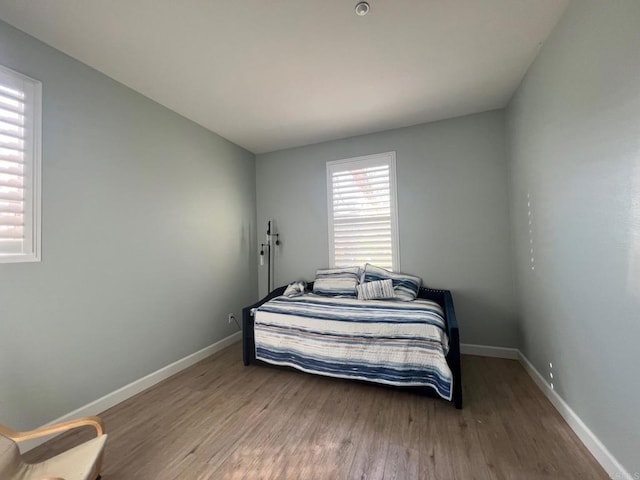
83 462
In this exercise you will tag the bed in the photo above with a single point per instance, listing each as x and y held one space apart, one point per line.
403 344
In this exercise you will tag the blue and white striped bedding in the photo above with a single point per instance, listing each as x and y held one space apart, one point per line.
390 342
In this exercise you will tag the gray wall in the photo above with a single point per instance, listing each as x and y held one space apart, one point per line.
148 231
574 129
453 214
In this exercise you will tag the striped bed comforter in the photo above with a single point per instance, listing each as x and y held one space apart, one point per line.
390 342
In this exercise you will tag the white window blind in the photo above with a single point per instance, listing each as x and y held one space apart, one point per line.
20 107
363 224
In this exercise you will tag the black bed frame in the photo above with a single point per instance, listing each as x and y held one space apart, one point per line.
442 297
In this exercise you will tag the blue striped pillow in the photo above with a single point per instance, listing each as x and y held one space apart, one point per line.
405 286
337 282
378 290
344 272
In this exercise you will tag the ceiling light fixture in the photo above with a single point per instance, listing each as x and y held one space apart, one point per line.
362 8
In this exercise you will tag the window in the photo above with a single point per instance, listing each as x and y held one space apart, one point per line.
363 221
20 109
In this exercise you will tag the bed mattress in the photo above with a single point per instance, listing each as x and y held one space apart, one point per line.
390 342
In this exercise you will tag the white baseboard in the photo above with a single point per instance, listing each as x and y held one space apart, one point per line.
486 351
602 455
586 436
135 387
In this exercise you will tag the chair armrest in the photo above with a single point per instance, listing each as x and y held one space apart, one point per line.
94 422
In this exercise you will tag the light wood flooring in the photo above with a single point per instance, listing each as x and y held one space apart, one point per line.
222 420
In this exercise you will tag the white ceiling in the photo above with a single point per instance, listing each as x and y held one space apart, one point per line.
273 74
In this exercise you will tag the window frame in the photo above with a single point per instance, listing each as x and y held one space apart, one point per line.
32 89
386 158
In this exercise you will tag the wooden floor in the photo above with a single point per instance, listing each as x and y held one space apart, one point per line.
222 420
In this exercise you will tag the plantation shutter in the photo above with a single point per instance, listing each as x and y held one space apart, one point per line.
19 132
362 211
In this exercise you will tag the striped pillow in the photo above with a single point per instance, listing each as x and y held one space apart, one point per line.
405 286
337 282
377 290
339 272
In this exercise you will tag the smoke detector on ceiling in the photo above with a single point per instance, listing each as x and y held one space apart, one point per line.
362 8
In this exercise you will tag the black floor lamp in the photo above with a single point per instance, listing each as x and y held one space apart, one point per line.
272 240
